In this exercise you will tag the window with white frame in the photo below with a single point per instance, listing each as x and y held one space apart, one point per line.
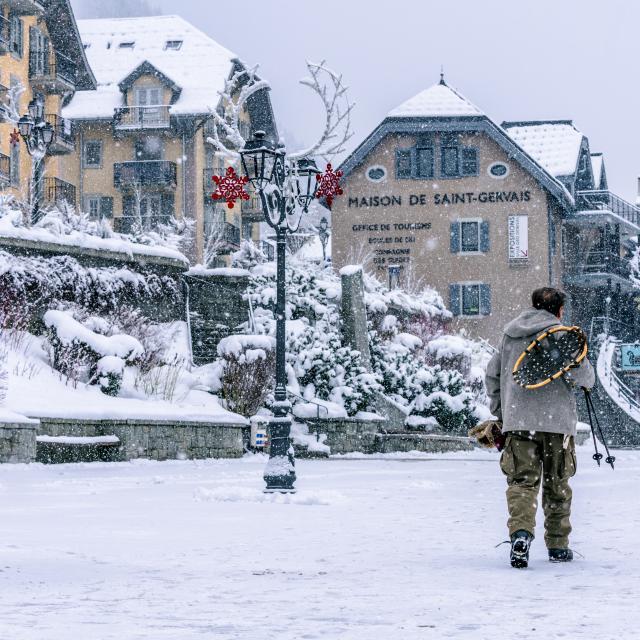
470 299
469 235
99 207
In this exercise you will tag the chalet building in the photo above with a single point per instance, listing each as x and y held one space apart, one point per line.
142 135
41 56
439 194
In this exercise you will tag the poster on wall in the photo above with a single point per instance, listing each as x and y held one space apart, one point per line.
630 358
518 237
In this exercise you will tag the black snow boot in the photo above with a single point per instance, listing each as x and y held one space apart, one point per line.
560 555
520 543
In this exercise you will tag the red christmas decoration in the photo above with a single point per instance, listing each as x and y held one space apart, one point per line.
329 186
230 187
14 138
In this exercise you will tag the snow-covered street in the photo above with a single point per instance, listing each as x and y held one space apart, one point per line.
393 548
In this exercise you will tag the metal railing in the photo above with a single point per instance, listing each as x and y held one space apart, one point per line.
142 117
5 35
269 250
62 128
617 388
57 190
5 168
602 262
145 173
607 201
230 234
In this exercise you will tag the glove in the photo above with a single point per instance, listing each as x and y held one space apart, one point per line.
488 434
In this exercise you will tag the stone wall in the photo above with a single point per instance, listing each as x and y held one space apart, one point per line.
17 442
157 440
216 308
426 442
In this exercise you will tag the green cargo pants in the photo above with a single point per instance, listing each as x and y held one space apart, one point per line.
528 459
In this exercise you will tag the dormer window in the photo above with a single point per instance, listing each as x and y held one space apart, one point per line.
127 45
173 44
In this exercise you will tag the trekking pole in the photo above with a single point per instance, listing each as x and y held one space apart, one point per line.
597 456
609 459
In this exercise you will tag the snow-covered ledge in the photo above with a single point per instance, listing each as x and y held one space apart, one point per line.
17 437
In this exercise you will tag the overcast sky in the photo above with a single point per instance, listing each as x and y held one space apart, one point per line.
515 59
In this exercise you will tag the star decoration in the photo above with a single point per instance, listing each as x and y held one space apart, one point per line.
14 138
230 187
329 185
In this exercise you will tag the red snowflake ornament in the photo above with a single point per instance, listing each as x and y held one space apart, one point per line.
329 184
14 138
230 187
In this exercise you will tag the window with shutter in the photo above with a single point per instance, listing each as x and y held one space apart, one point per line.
449 162
454 233
424 162
403 163
470 236
485 300
16 36
454 299
471 299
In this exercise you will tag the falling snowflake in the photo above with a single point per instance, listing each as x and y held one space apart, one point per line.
230 187
14 138
329 184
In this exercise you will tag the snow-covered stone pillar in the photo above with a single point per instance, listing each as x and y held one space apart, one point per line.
354 312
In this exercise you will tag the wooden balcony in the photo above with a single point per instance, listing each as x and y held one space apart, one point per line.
51 71
63 140
57 190
145 173
140 118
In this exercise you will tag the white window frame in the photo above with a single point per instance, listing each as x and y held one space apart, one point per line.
479 222
462 285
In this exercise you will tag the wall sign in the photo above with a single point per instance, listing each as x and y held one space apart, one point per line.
518 237
630 357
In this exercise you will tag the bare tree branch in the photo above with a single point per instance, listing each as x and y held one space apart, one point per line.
333 93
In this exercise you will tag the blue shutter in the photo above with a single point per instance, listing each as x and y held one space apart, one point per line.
403 163
454 232
454 299
485 300
484 237
106 207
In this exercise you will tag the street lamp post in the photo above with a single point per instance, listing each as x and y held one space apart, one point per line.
38 135
286 188
323 234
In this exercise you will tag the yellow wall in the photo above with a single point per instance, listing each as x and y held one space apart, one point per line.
11 65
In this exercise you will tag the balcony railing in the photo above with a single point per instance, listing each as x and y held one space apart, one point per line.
142 117
607 201
63 139
602 262
26 7
51 68
5 168
269 250
5 35
145 173
57 190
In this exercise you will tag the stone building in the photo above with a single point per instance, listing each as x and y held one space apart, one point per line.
440 194
141 137
42 58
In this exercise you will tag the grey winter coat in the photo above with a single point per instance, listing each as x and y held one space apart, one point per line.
551 408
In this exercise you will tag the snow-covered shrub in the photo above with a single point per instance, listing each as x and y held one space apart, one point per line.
444 396
248 369
4 374
109 373
249 255
327 370
83 355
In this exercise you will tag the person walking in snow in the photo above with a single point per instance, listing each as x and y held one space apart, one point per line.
539 426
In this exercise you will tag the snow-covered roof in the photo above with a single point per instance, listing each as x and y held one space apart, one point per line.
198 65
438 100
597 161
554 144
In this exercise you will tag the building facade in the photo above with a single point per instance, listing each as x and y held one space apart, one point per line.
143 155
42 60
438 194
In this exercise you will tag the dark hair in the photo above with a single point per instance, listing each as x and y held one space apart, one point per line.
549 299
